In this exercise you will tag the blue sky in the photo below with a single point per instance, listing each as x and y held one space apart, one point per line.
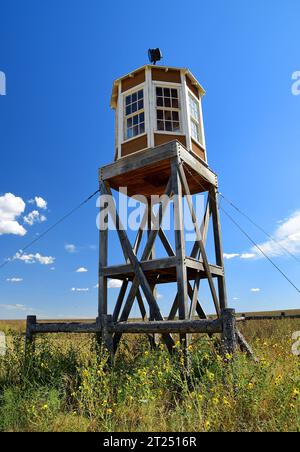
56 129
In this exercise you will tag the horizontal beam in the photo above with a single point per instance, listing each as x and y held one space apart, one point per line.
167 326
65 328
163 326
270 317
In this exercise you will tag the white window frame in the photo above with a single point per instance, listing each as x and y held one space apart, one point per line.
135 89
192 119
159 84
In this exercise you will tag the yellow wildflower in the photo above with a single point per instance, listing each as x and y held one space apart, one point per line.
207 425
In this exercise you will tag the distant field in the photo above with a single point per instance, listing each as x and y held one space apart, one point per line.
20 325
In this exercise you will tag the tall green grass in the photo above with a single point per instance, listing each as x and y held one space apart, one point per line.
66 386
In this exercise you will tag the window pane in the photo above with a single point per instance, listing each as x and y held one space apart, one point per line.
141 117
128 100
167 102
159 91
168 115
174 93
128 110
167 92
175 116
142 128
141 104
160 114
134 97
140 94
159 102
134 107
129 122
168 125
176 127
136 119
160 125
175 103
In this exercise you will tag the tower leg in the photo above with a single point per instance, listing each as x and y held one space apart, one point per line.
103 252
229 334
218 246
182 283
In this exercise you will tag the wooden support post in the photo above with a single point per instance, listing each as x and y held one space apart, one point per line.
107 337
218 246
29 337
182 281
229 333
103 251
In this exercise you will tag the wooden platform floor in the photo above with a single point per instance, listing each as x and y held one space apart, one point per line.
161 271
147 172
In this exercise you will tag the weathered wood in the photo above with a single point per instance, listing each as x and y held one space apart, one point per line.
269 317
156 266
120 299
177 326
147 172
218 246
203 230
199 239
245 347
103 255
29 335
229 330
160 327
107 327
72 327
166 243
181 269
140 276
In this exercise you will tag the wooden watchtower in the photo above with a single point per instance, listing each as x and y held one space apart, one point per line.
160 150
160 156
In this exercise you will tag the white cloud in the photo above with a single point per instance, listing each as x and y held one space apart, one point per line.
34 258
11 207
247 255
255 289
235 298
114 283
229 256
40 202
78 289
81 270
287 235
70 248
34 217
96 286
14 280
16 307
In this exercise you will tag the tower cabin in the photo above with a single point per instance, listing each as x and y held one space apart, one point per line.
156 105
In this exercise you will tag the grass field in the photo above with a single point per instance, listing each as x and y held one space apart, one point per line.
64 387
